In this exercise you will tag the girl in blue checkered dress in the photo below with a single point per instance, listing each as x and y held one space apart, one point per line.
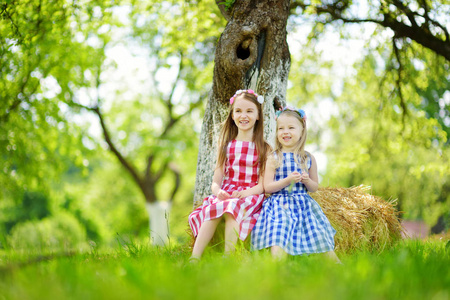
291 221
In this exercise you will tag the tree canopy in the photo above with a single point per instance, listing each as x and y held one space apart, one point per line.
390 119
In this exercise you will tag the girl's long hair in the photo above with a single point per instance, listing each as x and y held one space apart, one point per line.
300 155
229 132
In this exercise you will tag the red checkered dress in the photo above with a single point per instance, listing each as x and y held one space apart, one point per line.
241 173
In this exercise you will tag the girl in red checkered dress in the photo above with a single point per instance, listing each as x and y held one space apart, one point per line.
237 185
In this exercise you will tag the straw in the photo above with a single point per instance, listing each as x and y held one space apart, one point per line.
362 221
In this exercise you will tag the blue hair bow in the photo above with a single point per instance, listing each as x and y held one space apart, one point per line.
301 112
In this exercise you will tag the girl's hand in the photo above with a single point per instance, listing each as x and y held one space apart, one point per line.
295 176
305 177
222 195
238 194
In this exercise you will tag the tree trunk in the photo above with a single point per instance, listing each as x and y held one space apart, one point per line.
252 53
158 212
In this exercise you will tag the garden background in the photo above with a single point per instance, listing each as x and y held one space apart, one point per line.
101 108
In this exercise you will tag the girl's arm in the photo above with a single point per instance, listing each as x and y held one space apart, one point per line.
272 186
256 190
311 180
217 184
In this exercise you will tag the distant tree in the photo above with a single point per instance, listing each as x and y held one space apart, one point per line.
415 64
41 64
405 157
55 51
419 35
165 32
44 58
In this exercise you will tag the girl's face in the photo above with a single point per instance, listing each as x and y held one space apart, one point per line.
289 131
245 113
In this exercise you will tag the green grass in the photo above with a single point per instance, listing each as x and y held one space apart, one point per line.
410 270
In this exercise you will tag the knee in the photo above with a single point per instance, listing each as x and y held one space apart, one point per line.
228 217
215 221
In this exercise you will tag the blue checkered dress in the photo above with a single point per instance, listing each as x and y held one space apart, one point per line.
293 221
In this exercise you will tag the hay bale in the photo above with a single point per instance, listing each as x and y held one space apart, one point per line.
362 221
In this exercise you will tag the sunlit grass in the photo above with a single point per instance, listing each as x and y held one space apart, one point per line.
410 270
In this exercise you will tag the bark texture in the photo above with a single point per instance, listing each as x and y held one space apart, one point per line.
252 53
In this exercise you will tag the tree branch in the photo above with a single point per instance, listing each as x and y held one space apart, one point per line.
405 9
161 171
398 82
148 168
223 9
174 168
172 120
114 149
17 101
169 101
127 165
294 4
16 28
420 34
21 90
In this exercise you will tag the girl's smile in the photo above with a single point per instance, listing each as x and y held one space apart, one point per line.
245 114
289 132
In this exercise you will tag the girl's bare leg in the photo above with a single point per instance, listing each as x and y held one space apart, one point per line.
231 234
205 235
278 253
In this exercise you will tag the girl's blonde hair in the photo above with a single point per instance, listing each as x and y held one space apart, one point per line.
300 155
229 132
